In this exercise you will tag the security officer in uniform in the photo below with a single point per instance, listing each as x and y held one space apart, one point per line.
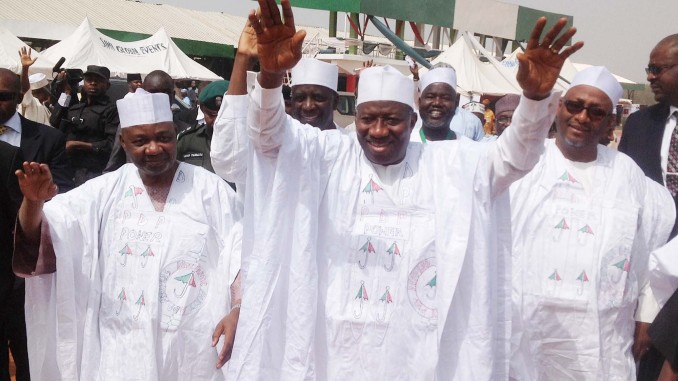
193 144
89 124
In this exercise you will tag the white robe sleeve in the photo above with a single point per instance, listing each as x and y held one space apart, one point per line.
664 271
229 142
56 303
266 120
518 149
656 223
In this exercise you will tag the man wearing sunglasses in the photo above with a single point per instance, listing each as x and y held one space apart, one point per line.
650 138
584 221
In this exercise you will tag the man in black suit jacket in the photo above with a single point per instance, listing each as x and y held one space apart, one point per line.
44 144
645 131
664 333
39 143
646 139
10 161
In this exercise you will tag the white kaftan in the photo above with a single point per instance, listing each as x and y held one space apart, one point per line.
228 150
31 109
137 293
582 234
361 272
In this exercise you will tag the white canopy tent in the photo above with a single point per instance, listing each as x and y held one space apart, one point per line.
88 46
475 77
9 55
566 73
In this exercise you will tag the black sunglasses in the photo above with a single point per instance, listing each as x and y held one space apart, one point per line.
595 113
657 69
6 96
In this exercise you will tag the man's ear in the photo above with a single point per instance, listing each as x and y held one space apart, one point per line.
122 141
413 120
335 101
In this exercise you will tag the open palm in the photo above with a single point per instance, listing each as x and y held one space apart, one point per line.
35 182
278 42
543 59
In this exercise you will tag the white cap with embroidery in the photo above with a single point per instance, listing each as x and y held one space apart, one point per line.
310 71
384 83
37 81
439 74
474 107
600 78
143 107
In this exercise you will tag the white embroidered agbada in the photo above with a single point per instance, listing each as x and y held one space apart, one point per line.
582 235
357 271
229 146
137 293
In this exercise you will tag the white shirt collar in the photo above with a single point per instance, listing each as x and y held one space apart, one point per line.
672 109
14 123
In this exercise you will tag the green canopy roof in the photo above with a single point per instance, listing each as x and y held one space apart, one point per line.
443 12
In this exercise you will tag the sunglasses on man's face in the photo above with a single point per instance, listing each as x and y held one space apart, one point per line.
6 96
595 113
656 70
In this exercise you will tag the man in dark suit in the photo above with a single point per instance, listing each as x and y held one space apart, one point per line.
650 138
39 143
10 161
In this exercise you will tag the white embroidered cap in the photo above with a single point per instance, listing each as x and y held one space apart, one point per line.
474 107
384 83
310 71
37 81
143 107
439 74
600 78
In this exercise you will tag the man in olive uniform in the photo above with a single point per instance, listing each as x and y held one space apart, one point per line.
193 145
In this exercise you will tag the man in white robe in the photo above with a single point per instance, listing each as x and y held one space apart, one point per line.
372 257
439 116
130 272
584 221
314 99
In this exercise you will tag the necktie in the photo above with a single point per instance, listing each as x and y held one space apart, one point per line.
672 167
3 129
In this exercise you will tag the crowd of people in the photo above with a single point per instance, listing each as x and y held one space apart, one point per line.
262 241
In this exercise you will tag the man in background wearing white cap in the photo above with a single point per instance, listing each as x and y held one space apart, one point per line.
369 256
584 221
131 269
314 93
313 101
477 109
440 118
33 105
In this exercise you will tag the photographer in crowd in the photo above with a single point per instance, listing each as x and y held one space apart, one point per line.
89 124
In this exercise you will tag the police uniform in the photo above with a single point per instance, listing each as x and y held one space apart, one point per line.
193 146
